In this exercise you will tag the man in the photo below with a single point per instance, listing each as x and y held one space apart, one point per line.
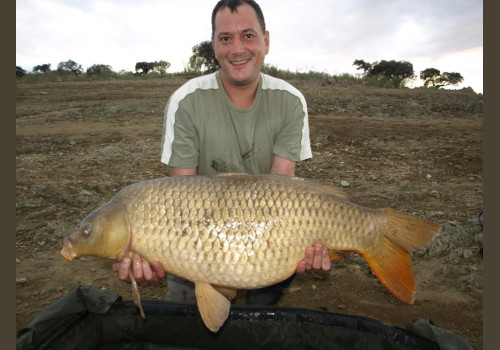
234 120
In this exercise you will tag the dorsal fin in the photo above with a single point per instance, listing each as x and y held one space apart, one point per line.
312 184
325 188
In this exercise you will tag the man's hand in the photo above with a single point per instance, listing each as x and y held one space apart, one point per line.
144 273
317 257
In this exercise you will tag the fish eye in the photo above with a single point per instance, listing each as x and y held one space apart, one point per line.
86 230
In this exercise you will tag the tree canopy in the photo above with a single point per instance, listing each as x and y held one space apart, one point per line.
143 67
20 72
434 78
397 71
99 69
43 68
365 66
70 66
203 59
159 67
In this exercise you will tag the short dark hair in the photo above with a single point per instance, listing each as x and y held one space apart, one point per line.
233 5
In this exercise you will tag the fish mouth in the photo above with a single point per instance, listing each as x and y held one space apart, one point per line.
67 251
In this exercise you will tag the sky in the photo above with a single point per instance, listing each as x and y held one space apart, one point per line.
319 35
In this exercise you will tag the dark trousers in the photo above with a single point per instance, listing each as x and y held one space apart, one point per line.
270 295
182 291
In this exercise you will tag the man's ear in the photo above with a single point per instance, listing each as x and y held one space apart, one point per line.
266 40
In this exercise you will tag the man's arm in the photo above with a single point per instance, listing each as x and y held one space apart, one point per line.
282 166
184 171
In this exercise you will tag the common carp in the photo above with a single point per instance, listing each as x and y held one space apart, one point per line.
232 231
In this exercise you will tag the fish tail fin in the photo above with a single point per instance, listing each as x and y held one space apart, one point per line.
390 261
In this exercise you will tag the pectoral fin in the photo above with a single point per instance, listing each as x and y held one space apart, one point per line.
135 293
213 306
229 293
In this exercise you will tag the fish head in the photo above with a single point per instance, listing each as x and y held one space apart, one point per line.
103 233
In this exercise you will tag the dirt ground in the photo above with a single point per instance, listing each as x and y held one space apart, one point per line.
418 151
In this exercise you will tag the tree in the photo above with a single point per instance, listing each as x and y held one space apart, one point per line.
99 69
161 67
20 72
453 78
43 68
203 58
434 77
429 76
70 66
144 67
397 72
365 66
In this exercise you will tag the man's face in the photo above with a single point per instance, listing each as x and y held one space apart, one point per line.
239 45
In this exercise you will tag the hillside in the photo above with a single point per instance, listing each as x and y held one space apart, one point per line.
415 150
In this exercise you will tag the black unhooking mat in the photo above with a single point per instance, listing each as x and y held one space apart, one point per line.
91 318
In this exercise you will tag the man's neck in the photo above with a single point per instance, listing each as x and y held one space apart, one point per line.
242 96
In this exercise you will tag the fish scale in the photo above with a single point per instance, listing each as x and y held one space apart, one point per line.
229 232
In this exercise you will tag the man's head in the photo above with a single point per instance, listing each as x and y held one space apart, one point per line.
233 5
240 41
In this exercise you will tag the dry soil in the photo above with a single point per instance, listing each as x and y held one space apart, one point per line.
415 150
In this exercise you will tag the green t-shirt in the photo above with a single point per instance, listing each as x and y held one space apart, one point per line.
202 128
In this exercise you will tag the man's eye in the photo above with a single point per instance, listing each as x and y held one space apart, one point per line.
225 39
249 36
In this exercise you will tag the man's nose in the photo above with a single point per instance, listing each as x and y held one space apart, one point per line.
238 46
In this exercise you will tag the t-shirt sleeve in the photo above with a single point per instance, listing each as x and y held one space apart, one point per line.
180 145
292 141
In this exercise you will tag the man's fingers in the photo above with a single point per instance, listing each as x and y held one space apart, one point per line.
146 270
123 268
301 267
326 262
137 268
158 269
318 256
309 258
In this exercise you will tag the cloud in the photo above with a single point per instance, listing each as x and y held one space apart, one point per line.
324 35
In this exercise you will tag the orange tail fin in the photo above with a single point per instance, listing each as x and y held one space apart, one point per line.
339 254
390 261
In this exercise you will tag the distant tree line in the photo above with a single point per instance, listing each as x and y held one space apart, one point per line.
203 61
402 71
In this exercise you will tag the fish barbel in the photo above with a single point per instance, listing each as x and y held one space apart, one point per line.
231 231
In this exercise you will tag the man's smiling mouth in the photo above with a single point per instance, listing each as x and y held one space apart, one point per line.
240 62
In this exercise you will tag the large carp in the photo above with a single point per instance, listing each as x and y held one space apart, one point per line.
228 232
